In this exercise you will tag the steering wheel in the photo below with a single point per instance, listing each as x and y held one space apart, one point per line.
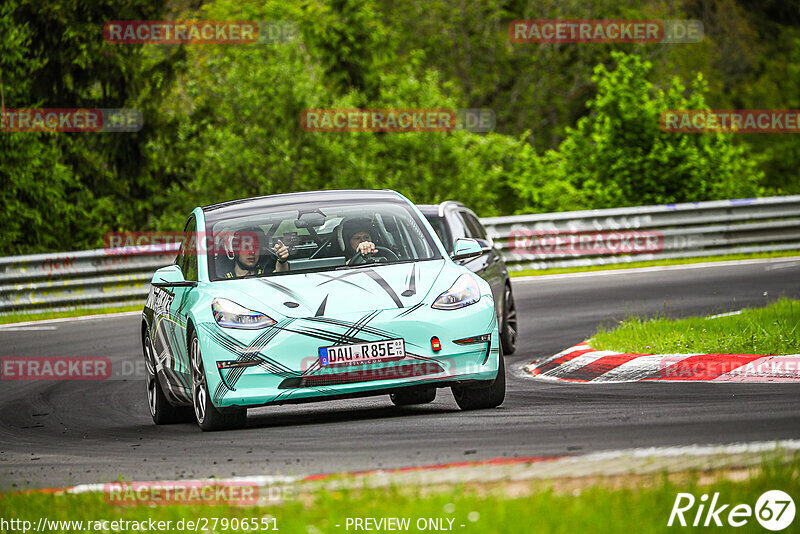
370 259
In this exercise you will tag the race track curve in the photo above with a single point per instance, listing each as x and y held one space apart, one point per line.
61 433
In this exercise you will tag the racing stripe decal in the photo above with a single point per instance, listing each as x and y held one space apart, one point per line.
321 309
341 278
254 349
384 334
357 326
283 289
407 311
412 283
385 286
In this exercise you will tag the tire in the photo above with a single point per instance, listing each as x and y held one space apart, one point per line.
161 410
414 396
486 396
508 336
208 417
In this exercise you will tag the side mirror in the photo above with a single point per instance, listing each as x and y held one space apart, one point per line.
466 248
170 276
486 246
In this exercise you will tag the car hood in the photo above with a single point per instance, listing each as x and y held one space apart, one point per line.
336 292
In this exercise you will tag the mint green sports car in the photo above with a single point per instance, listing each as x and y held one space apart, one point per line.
316 296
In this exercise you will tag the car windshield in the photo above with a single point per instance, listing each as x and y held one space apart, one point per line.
313 237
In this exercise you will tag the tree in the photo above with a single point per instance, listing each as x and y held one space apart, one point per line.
619 156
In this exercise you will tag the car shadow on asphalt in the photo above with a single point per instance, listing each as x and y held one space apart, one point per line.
314 415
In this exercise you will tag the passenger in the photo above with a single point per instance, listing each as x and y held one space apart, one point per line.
247 260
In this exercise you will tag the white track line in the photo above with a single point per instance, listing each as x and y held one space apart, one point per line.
10 326
454 474
261 481
654 269
696 450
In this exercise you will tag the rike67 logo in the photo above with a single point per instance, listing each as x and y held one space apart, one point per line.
774 510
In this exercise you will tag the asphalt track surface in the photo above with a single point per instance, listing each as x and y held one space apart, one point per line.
55 433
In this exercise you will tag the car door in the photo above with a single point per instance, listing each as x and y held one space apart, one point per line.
489 265
176 322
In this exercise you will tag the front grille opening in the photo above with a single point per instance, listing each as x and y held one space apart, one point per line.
405 370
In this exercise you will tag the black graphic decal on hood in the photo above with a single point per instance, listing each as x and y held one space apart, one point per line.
321 309
385 286
283 289
413 308
412 283
341 278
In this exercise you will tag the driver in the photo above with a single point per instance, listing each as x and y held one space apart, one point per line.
247 259
357 235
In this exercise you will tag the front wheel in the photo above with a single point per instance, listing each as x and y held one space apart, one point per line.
485 396
508 336
206 414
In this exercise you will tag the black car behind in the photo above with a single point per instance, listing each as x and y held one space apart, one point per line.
452 220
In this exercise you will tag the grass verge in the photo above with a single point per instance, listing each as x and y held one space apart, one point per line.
79 312
549 507
774 329
656 263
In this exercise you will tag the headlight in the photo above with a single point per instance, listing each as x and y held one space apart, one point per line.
464 291
230 315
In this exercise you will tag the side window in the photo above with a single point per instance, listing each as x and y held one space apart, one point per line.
457 226
474 226
187 256
441 231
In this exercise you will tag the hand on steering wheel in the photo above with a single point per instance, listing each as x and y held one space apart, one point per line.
388 253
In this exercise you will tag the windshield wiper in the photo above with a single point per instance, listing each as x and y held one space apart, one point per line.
376 264
359 266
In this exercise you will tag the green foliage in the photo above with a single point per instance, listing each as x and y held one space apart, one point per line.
577 124
618 155
41 199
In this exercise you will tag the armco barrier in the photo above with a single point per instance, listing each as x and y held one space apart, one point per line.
552 240
90 278
95 278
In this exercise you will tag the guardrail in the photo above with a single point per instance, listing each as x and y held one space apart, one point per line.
86 279
624 235
104 277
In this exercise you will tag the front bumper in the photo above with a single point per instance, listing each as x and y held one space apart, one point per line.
280 364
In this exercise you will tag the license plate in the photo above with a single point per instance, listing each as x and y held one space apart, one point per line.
361 353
